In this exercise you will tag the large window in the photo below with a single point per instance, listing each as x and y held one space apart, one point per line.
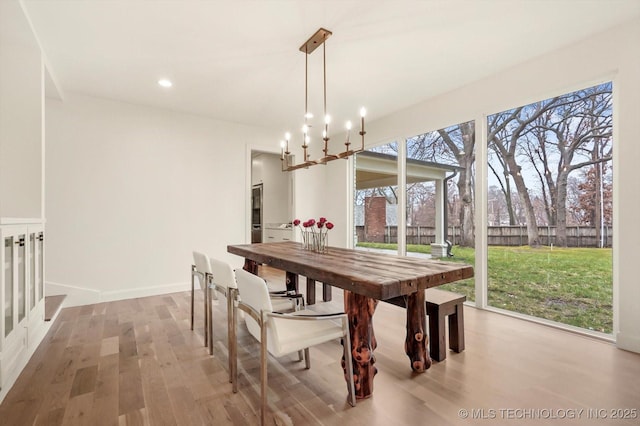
550 210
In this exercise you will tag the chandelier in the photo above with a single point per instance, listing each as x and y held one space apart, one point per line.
307 48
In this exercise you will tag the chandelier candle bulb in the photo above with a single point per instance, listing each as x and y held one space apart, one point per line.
287 136
363 112
326 142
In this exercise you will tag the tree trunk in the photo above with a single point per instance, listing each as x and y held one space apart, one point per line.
532 225
561 210
467 230
465 185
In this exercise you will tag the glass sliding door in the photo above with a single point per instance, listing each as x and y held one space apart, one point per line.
549 209
376 198
439 192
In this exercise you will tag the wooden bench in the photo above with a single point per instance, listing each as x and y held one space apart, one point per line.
441 304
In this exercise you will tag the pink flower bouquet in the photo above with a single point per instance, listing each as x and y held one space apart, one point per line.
314 234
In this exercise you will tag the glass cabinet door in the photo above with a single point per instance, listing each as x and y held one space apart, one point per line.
22 276
40 266
8 285
32 270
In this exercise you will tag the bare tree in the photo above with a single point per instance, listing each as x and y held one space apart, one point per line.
454 145
460 142
577 132
504 131
552 138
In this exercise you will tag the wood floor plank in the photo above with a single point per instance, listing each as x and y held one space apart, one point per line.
50 418
134 418
107 381
182 404
156 396
130 396
78 410
104 411
84 381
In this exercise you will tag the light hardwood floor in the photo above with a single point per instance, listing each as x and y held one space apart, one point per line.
137 362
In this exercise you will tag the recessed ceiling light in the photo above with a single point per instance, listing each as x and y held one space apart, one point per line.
165 82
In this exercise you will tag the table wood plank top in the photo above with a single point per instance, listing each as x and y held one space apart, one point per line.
377 275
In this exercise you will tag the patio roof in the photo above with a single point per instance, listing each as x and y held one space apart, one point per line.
375 169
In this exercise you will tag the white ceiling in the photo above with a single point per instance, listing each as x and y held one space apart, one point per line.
238 60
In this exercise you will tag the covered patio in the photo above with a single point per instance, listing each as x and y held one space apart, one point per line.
375 170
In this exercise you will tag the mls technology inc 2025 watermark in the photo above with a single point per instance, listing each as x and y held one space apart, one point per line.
548 413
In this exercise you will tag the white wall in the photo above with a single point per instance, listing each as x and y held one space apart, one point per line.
613 55
21 116
132 191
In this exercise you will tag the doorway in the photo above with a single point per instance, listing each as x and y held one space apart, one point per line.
271 196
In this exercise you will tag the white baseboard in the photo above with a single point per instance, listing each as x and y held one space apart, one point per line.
78 296
132 293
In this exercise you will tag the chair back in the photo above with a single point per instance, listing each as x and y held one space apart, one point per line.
202 266
223 274
254 293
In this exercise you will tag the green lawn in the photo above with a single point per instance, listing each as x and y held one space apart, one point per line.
568 285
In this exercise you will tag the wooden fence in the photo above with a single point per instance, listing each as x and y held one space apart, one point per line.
577 236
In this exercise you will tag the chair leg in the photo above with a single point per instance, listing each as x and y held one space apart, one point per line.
233 344
348 360
263 373
297 308
307 359
210 311
192 294
206 317
229 336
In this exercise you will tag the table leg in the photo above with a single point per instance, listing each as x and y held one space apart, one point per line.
291 281
311 291
326 292
250 266
415 344
360 311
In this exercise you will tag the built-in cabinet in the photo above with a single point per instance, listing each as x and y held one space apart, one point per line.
21 294
276 234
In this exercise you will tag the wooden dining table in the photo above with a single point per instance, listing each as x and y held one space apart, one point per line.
366 278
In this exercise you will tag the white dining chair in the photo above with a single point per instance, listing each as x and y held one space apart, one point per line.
200 269
284 333
222 279
216 276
